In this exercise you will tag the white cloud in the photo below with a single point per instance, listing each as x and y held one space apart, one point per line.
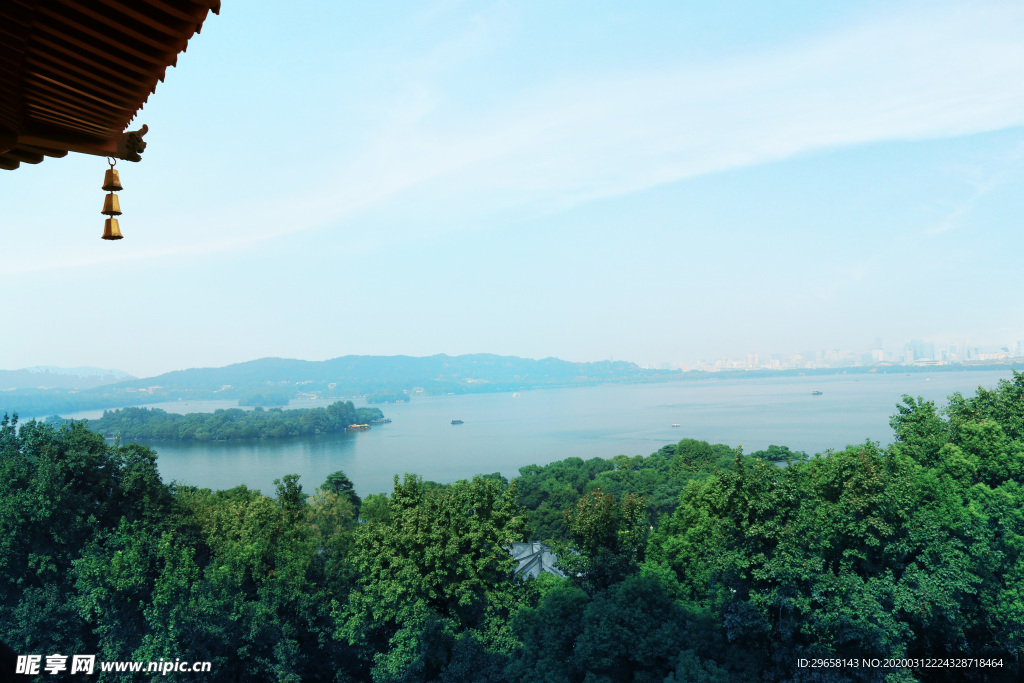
941 74
911 78
984 181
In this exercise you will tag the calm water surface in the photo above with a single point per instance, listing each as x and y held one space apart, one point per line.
501 433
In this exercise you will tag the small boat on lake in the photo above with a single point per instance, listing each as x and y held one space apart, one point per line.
676 424
815 393
456 422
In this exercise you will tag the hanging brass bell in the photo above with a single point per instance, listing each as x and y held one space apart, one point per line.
112 181
111 230
111 206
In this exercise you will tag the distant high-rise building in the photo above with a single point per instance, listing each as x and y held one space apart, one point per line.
923 350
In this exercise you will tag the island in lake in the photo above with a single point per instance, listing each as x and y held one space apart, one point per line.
153 423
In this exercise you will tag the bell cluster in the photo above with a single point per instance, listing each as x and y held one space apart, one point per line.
111 205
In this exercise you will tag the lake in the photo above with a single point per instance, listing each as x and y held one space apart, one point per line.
503 432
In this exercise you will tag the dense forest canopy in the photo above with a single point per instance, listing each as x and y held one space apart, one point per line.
153 423
695 563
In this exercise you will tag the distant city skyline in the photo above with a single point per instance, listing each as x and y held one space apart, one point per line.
912 352
657 182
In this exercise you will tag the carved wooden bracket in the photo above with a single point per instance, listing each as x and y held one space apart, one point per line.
131 145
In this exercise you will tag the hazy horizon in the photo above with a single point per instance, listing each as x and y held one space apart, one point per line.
656 184
91 370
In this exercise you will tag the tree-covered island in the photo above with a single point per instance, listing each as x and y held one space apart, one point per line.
153 423
696 563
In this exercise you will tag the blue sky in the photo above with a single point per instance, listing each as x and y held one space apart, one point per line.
659 183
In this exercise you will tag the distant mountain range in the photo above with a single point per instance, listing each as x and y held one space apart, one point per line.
347 376
50 377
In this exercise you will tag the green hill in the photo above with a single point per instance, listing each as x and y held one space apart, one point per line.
339 377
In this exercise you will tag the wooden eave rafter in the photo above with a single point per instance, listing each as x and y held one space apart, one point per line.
74 73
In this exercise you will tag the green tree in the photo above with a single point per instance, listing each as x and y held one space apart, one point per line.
919 430
608 539
548 633
340 484
434 567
